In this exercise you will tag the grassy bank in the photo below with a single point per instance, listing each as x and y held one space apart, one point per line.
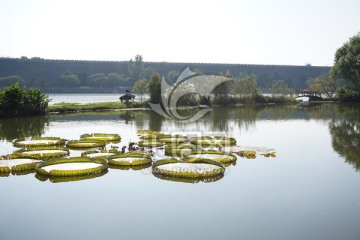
109 106
94 107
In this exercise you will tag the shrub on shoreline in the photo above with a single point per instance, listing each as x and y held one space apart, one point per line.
16 102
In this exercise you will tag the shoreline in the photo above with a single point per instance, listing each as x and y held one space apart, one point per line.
68 108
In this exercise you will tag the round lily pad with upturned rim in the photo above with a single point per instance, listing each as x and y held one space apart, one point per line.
176 139
85 143
100 153
38 142
150 143
189 180
146 132
42 152
75 166
250 151
107 137
183 169
154 137
213 155
180 150
130 159
217 141
17 164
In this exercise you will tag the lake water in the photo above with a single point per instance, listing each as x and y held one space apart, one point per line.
310 190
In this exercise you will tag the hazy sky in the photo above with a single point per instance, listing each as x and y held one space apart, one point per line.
224 31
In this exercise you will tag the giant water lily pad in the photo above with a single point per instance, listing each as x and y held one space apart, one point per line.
130 159
38 142
17 164
107 137
142 132
213 155
181 149
74 166
150 143
189 180
148 134
99 153
217 141
43 152
85 143
249 151
196 169
176 139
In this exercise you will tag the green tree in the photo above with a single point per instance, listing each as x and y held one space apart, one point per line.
10 80
246 85
116 79
137 69
280 87
221 91
172 76
141 87
98 79
154 87
325 84
107 80
69 79
347 62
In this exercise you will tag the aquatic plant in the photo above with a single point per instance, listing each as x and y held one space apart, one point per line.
211 154
150 143
75 166
107 137
217 141
99 153
196 169
176 139
130 159
250 152
42 152
179 150
189 180
17 165
85 143
38 142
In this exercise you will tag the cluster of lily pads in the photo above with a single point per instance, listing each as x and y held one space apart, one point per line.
185 159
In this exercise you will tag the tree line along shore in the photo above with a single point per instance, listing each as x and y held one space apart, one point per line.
20 97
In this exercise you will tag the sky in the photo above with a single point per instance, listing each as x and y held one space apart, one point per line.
278 32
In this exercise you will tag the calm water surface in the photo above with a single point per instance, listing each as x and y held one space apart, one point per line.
311 190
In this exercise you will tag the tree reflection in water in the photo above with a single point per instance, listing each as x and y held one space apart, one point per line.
11 128
346 135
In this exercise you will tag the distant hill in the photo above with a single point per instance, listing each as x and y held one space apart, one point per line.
44 73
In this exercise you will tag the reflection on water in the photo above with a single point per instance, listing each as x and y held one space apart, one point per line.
23 172
189 180
17 173
345 135
343 121
56 179
12 128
